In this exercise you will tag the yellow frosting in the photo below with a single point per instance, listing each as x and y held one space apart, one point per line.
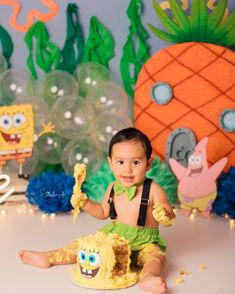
160 215
79 198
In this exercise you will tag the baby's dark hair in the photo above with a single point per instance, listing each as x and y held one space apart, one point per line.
131 134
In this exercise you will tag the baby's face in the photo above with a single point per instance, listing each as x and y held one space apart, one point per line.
129 163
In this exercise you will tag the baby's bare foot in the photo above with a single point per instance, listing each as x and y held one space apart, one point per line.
34 258
153 284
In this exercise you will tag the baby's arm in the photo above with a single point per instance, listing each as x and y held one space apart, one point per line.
79 200
162 211
98 210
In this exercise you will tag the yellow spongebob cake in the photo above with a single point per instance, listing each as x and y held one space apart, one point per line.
103 262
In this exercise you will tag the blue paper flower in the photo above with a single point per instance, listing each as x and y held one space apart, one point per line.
51 192
225 201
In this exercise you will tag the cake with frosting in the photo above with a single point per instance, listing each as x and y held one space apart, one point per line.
103 262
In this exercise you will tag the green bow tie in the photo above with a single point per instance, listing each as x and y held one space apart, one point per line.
119 189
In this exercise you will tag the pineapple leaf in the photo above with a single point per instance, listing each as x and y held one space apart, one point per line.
168 23
230 39
163 35
216 15
224 28
180 17
199 25
198 19
228 24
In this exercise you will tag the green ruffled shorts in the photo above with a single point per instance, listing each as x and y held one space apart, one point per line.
138 237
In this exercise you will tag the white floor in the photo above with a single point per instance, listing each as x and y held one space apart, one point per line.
191 242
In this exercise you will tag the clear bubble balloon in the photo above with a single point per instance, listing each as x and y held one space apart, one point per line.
57 84
3 64
107 125
50 148
30 164
108 96
130 109
41 111
14 84
81 151
72 116
89 75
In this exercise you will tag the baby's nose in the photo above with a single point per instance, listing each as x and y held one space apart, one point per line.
128 168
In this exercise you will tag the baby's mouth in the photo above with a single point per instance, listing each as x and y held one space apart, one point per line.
11 138
127 178
89 274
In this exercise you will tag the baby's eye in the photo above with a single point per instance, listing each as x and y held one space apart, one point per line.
120 162
136 162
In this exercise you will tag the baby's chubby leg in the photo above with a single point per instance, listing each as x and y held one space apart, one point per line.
152 280
152 260
64 255
34 258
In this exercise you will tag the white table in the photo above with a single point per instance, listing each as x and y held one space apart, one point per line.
190 243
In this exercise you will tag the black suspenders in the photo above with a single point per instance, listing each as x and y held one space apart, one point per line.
112 210
143 203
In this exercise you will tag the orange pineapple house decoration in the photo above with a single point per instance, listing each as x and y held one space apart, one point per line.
187 91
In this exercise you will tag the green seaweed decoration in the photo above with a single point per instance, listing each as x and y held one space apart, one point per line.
162 174
72 51
96 185
47 54
100 44
7 44
200 24
135 50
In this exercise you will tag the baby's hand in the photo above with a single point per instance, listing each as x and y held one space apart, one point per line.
160 214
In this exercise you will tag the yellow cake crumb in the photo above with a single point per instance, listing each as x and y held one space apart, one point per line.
184 273
202 267
178 280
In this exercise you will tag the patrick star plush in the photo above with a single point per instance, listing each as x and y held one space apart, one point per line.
197 183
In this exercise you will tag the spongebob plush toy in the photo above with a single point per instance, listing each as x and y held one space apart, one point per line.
17 134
